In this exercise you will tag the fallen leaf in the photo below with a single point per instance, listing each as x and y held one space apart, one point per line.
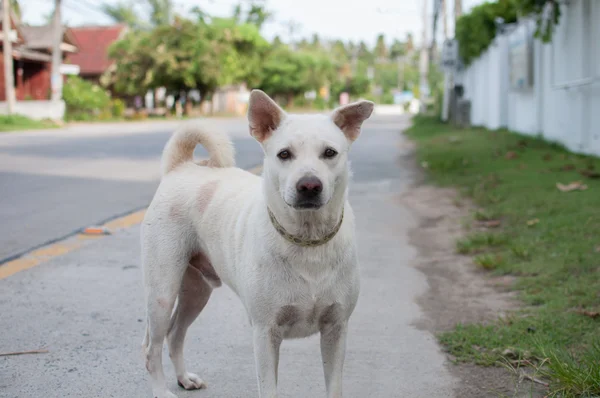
425 165
568 167
533 222
522 144
597 249
490 223
547 157
509 353
573 186
511 155
522 166
590 314
590 173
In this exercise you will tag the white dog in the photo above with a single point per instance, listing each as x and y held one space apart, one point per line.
284 242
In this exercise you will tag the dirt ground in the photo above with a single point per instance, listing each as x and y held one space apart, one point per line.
458 292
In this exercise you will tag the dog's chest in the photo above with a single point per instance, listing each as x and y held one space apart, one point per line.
302 320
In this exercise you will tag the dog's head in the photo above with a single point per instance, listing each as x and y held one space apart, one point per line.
306 156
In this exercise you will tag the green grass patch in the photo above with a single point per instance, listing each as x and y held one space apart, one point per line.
19 122
480 241
548 239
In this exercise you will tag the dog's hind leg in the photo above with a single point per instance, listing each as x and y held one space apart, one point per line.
162 277
193 296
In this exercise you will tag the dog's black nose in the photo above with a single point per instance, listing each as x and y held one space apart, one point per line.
309 187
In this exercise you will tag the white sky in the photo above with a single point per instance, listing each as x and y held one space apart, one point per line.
347 19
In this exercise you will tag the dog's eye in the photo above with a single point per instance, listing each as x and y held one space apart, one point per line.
329 153
284 155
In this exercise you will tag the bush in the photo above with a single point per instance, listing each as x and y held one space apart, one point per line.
84 100
319 103
117 108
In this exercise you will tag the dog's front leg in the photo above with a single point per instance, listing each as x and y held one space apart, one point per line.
333 352
266 355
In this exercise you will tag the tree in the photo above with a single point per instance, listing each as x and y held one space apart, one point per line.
380 48
255 15
398 49
15 7
290 73
122 12
187 55
161 11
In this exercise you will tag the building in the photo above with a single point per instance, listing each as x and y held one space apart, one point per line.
93 43
32 66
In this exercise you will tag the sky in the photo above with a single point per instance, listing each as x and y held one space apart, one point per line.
354 20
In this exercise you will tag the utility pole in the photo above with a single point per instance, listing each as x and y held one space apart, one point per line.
9 80
457 10
401 60
445 18
56 78
424 61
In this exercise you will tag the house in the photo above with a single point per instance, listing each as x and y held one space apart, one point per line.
93 43
32 66
231 99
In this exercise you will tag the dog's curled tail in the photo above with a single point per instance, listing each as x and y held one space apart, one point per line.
181 145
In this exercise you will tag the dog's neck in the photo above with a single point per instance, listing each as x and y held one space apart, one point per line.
308 224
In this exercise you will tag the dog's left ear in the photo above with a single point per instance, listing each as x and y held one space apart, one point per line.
349 118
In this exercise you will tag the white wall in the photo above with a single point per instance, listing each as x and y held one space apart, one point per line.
563 103
37 110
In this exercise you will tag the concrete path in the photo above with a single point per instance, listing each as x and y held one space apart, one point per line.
86 307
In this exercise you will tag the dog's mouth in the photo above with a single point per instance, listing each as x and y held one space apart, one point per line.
307 206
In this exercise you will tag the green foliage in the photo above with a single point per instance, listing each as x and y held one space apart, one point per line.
187 55
122 12
204 53
536 8
287 72
84 99
117 108
476 30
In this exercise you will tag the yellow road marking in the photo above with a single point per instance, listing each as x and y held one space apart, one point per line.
70 244
127 221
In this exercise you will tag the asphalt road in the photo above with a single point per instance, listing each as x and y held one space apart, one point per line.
56 182
86 307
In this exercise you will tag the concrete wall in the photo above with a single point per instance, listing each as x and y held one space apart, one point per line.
37 110
563 103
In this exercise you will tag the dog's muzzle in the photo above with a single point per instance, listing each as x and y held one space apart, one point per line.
308 193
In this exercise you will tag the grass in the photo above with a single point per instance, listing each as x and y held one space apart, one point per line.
548 239
19 122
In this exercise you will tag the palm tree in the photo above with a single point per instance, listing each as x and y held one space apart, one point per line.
161 13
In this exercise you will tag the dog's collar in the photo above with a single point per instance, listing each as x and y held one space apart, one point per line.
301 241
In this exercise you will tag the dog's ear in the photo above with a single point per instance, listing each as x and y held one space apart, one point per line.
264 115
349 118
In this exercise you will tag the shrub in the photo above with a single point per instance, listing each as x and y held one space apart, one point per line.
117 108
84 100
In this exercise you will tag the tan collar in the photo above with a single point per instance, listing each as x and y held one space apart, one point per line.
301 241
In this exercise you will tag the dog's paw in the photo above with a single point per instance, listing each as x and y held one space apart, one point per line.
165 394
191 381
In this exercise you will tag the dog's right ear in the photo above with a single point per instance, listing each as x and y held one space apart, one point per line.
264 115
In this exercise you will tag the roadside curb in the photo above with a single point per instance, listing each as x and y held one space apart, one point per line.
74 241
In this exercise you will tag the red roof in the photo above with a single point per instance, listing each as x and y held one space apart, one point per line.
93 43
